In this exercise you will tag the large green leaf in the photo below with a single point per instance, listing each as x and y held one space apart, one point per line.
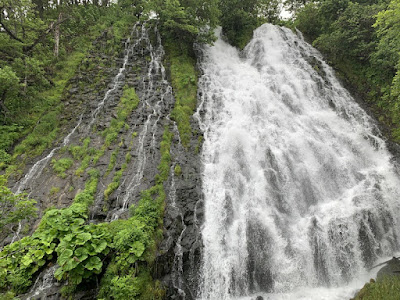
65 256
82 238
137 248
58 274
100 245
81 253
71 264
94 263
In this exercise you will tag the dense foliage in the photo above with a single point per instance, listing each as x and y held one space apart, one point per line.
362 40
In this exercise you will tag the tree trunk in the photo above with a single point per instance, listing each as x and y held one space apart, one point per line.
57 36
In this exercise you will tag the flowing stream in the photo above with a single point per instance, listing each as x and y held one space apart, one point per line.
301 197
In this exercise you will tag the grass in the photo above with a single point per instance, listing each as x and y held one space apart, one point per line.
184 83
129 101
126 278
386 289
113 161
62 165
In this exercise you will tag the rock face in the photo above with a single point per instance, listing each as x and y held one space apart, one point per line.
180 252
392 268
91 104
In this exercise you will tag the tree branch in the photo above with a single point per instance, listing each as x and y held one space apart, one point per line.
8 31
43 34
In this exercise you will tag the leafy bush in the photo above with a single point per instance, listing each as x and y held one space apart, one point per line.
60 232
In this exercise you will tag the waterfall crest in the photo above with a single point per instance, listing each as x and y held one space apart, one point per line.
300 193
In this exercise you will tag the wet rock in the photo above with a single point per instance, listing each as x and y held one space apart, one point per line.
392 268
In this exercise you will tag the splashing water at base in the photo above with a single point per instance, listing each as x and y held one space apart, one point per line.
300 194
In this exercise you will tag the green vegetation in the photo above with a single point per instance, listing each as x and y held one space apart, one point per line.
13 208
188 21
62 165
129 101
54 190
386 289
115 182
184 83
113 161
361 39
240 18
135 239
178 170
23 259
34 77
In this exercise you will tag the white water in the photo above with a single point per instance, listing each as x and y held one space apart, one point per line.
43 283
36 170
119 79
38 167
177 267
155 74
300 194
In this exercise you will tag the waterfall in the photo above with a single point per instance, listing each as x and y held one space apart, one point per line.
156 97
300 193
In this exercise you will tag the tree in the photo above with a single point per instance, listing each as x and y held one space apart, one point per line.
295 5
9 86
239 18
351 35
189 20
388 54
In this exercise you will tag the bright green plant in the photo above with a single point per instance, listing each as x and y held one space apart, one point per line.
62 165
127 276
178 170
129 101
184 82
113 161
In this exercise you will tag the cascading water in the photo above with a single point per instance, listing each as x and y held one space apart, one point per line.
38 167
36 170
154 83
300 194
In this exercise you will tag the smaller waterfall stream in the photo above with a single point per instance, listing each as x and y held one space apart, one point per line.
177 268
39 166
154 104
44 282
118 80
300 193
